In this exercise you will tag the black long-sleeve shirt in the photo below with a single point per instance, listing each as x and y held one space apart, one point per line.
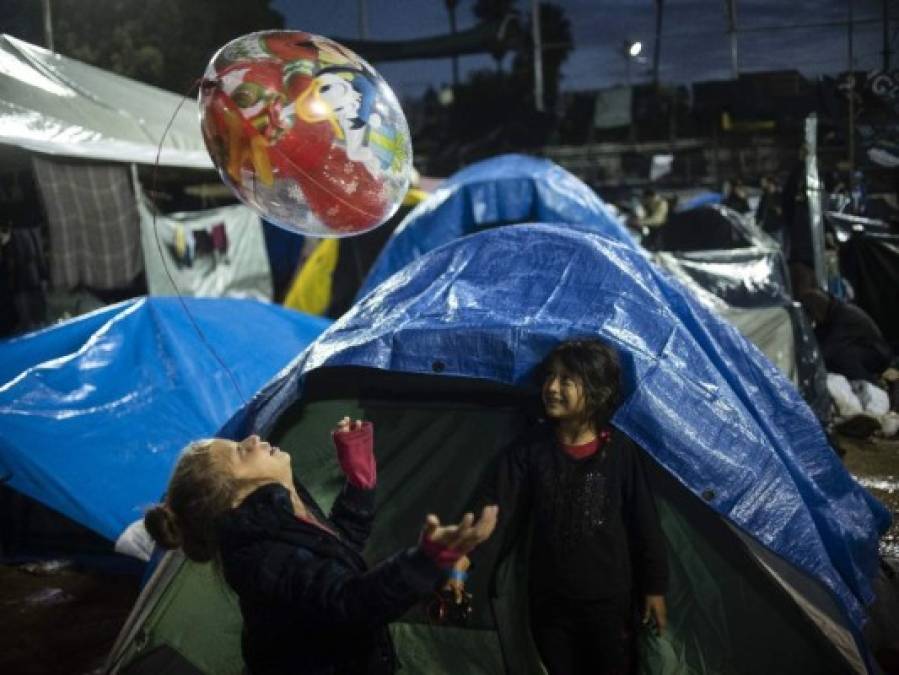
596 531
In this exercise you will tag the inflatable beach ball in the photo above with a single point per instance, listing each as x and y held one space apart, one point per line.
305 132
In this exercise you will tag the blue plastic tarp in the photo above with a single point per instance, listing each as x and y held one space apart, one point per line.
498 191
701 199
703 401
93 412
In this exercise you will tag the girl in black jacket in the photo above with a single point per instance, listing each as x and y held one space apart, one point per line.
596 540
309 602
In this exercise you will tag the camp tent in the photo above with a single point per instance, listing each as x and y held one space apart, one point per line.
55 105
94 411
498 191
869 259
773 545
729 264
55 113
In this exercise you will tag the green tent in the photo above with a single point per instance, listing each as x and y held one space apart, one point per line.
734 606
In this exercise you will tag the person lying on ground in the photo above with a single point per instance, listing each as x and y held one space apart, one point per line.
310 603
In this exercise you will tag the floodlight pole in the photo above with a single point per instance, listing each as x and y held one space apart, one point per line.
658 48
363 20
851 75
451 8
48 25
538 54
731 7
886 36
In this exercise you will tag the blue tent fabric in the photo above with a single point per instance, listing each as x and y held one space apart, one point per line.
702 400
497 191
702 199
93 412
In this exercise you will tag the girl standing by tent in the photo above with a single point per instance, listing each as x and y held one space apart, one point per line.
597 543
309 602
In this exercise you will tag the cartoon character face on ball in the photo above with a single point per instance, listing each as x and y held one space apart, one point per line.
346 98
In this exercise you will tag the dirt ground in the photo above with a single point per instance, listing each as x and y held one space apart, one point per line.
875 464
62 621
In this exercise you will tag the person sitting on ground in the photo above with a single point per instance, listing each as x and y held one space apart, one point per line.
597 543
858 361
299 575
850 342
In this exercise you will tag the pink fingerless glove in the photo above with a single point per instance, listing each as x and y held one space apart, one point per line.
355 452
443 556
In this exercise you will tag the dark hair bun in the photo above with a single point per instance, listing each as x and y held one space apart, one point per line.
162 525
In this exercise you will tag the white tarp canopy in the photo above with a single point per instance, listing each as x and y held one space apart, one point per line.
56 105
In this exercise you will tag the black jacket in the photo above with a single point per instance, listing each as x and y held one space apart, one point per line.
596 532
851 343
309 602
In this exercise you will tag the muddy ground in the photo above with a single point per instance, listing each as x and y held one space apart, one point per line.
60 621
875 464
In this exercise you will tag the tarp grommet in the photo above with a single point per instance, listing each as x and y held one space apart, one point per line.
708 495
438 366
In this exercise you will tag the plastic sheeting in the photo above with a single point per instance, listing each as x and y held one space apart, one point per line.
56 105
93 412
499 191
747 277
704 402
870 260
709 228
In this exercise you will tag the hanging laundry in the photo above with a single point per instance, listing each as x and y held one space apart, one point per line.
203 241
93 222
219 238
184 247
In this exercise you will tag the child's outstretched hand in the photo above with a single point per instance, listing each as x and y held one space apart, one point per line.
354 441
656 611
445 544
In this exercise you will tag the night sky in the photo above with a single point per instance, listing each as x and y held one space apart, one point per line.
695 45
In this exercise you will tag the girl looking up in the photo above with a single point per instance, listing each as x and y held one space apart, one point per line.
310 603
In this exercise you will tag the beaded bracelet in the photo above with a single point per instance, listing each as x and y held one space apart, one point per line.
458 575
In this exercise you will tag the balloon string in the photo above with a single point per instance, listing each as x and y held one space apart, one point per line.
162 257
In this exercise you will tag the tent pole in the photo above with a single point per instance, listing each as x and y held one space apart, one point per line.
813 193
